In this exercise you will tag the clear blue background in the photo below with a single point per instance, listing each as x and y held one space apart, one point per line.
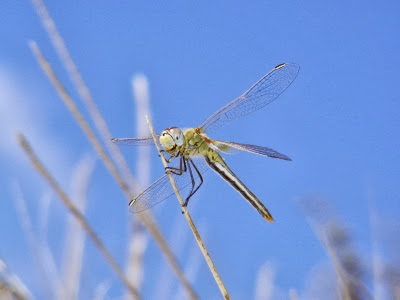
339 122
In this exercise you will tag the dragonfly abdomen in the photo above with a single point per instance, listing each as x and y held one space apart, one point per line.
218 165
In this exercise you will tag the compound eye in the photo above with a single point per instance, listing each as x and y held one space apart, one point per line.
175 131
177 135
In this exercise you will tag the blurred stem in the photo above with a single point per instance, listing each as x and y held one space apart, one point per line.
196 234
46 278
83 90
76 213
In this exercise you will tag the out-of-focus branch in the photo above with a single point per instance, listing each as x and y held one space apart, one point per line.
335 240
76 213
136 250
83 90
75 239
293 295
11 287
138 240
265 282
196 234
140 89
44 264
78 116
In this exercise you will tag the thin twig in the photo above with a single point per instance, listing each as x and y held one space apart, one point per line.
346 280
196 234
178 237
83 90
192 267
376 259
293 295
144 217
138 237
46 275
11 286
75 237
76 213
265 282
136 250
76 113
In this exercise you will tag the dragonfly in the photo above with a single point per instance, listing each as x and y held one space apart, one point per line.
194 152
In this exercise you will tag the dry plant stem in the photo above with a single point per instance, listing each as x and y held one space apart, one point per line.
196 234
338 268
9 292
344 278
11 285
46 281
83 90
293 295
79 117
145 218
74 242
138 235
77 214
377 265
174 264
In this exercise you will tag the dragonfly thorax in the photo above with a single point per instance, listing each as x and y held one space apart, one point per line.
171 138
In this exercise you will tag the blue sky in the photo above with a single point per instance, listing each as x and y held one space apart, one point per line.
338 122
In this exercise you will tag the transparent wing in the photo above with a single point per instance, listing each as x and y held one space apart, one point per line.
263 92
230 147
137 141
162 189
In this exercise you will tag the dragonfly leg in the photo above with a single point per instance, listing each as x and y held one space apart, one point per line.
168 159
193 184
193 190
180 170
162 151
172 156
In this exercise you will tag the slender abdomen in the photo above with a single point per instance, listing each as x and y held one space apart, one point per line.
216 162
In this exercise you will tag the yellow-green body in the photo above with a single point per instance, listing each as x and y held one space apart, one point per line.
195 143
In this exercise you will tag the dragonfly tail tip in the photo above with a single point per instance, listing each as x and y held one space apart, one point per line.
269 218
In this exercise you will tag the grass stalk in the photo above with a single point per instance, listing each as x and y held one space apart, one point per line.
74 244
83 90
11 286
76 213
196 234
46 277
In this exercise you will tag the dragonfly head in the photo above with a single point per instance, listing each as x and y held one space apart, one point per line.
171 138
